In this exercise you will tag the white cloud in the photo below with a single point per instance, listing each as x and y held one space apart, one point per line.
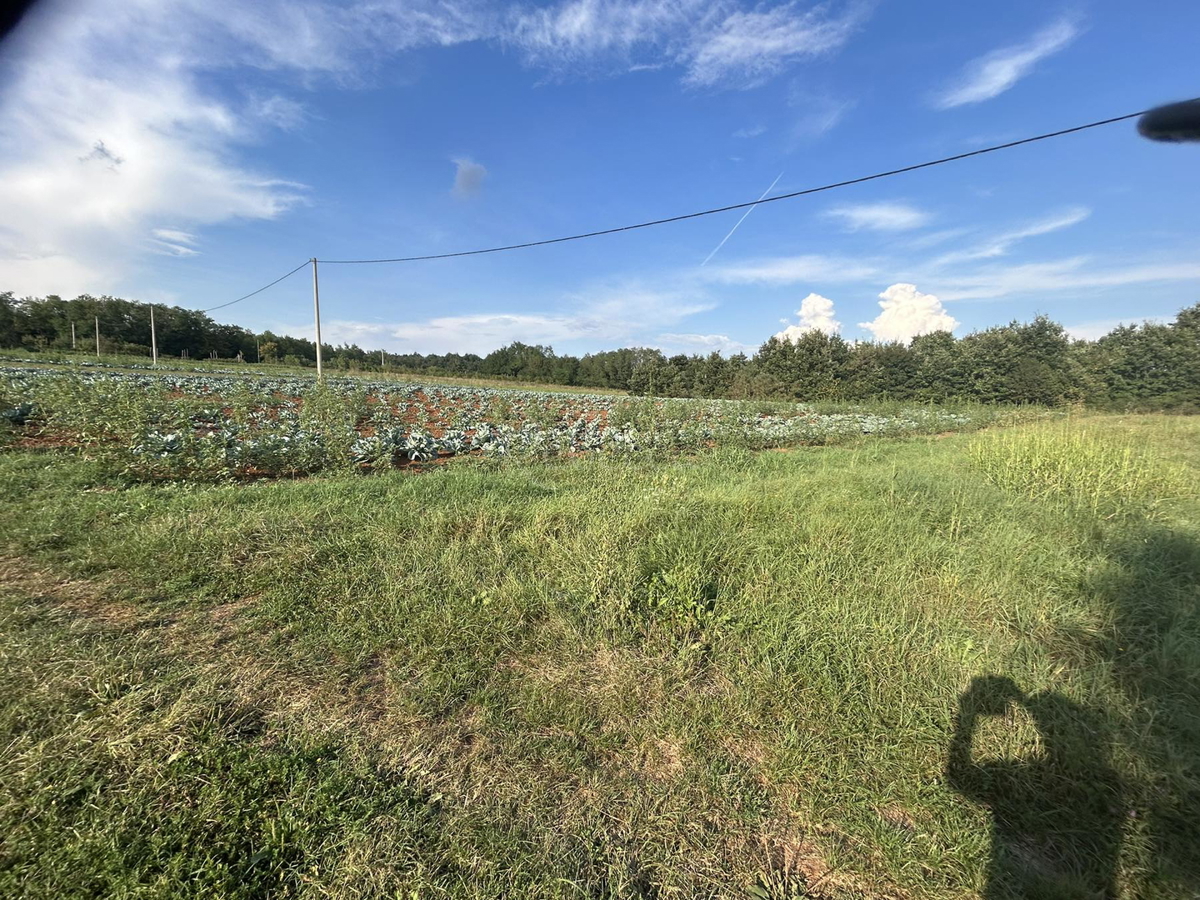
752 132
480 334
169 249
587 33
1001 244
993 74
818 116
879 216
716 44
276 111
907 313
703 343
111 121
933 238
468 177
174 235
1090 331
750 47
816 314
1074 274
105 131
602 317
795 269
173 242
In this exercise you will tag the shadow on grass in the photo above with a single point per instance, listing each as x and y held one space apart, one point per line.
1056 817
1059 817
1153 585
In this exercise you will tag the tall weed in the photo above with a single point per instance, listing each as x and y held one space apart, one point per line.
1099 470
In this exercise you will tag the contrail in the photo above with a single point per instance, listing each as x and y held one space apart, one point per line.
741 220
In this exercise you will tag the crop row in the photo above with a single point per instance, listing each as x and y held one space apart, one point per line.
176 425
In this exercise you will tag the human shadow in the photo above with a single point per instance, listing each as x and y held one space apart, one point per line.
1152 584
1057 815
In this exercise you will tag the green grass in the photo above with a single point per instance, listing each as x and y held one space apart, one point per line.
731 674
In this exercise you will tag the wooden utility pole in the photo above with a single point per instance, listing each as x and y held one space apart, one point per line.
153 339
317 313
97 337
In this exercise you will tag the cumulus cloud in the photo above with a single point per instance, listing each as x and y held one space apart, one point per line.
907 313
879 216
993 74
468 177
816 314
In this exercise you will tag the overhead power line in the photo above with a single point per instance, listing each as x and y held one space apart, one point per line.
748 203
261 289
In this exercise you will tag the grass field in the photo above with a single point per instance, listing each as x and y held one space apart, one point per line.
938 666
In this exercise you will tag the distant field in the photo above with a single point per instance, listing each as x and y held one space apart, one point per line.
698 671
125 363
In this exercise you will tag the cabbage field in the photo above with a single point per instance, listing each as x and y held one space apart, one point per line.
195 426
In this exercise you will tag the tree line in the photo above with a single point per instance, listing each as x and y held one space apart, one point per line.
1148 366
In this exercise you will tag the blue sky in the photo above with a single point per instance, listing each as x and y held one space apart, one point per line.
189 151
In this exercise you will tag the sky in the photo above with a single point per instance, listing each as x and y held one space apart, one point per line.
190 151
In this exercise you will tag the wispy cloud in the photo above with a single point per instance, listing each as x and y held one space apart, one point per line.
174 235
751 47
1001 244
879 216
1097 328
808 268
716 44
111 122
751 132
993 74
815 113
172 242
1061 275
468 177
601 316
703 343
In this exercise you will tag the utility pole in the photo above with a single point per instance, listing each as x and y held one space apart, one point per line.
317 314
257 352
153 339
72 335
381 360
97 337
